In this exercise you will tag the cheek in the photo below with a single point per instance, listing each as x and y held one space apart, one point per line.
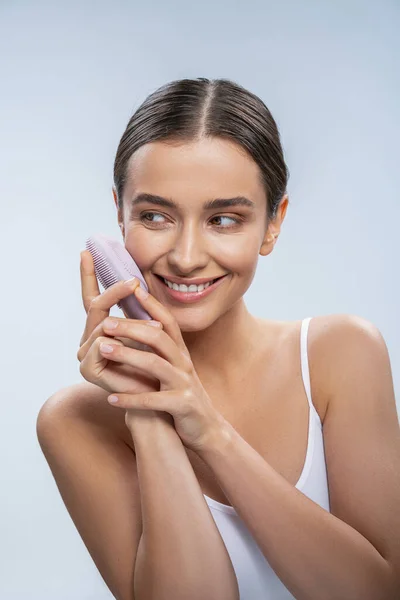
240 256
237 254
143 250
241 260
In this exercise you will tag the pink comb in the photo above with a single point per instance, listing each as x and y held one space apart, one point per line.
113 263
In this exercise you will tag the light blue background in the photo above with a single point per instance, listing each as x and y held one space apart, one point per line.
71 75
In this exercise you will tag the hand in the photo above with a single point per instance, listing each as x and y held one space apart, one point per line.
111 376
181 393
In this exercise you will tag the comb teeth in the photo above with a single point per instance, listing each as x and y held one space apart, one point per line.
113 263
103 269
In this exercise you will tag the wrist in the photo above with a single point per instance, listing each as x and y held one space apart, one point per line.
146 425
218 440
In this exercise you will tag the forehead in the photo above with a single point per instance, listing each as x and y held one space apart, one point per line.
210 167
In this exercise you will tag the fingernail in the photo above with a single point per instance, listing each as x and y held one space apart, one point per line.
106 348
129 282
110 323
154 323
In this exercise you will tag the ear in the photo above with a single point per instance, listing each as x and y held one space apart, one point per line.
274 227
120 219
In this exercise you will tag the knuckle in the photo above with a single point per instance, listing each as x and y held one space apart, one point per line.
153 359
187 363
186 401
92 303
187 381
155 333
87 373
146 400
185 351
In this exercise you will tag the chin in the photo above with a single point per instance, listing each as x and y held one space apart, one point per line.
195 324
188 328
187 325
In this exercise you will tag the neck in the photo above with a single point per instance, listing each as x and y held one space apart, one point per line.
221 349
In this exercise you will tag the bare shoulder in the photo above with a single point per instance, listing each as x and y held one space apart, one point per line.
87 402
339 328
332 340
335 340
69 400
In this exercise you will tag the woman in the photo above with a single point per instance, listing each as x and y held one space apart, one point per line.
245 458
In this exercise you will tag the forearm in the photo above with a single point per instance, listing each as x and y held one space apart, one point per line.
316 555
181 554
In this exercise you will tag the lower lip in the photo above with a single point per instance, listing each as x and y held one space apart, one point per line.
189 297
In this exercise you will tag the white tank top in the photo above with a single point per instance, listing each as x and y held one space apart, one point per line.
256 578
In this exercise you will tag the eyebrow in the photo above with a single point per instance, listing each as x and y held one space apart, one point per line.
211 204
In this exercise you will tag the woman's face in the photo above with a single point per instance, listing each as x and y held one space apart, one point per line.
187 240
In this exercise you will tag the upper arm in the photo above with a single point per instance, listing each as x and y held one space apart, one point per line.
96 475
361 432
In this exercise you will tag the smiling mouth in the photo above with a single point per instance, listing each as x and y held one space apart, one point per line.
211 282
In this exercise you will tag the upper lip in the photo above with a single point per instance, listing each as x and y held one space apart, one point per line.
198 281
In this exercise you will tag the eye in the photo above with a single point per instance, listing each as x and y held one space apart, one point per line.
236 221
143 215
145 218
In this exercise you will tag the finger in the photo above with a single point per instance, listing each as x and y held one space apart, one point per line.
166 401
150 364
94 363
90 290
160 313
113 376
100 306
97 305
89 286
99 331
153 336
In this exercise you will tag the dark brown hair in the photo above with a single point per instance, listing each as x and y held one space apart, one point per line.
187 110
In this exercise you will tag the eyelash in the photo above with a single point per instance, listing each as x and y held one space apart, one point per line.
237 221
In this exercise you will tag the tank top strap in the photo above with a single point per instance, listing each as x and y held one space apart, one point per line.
305 369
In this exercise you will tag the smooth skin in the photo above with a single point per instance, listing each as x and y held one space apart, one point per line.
89 449
185 241
69 430
77 415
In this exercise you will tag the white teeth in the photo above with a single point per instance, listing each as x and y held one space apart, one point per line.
185 288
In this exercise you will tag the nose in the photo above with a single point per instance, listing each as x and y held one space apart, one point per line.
189 253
